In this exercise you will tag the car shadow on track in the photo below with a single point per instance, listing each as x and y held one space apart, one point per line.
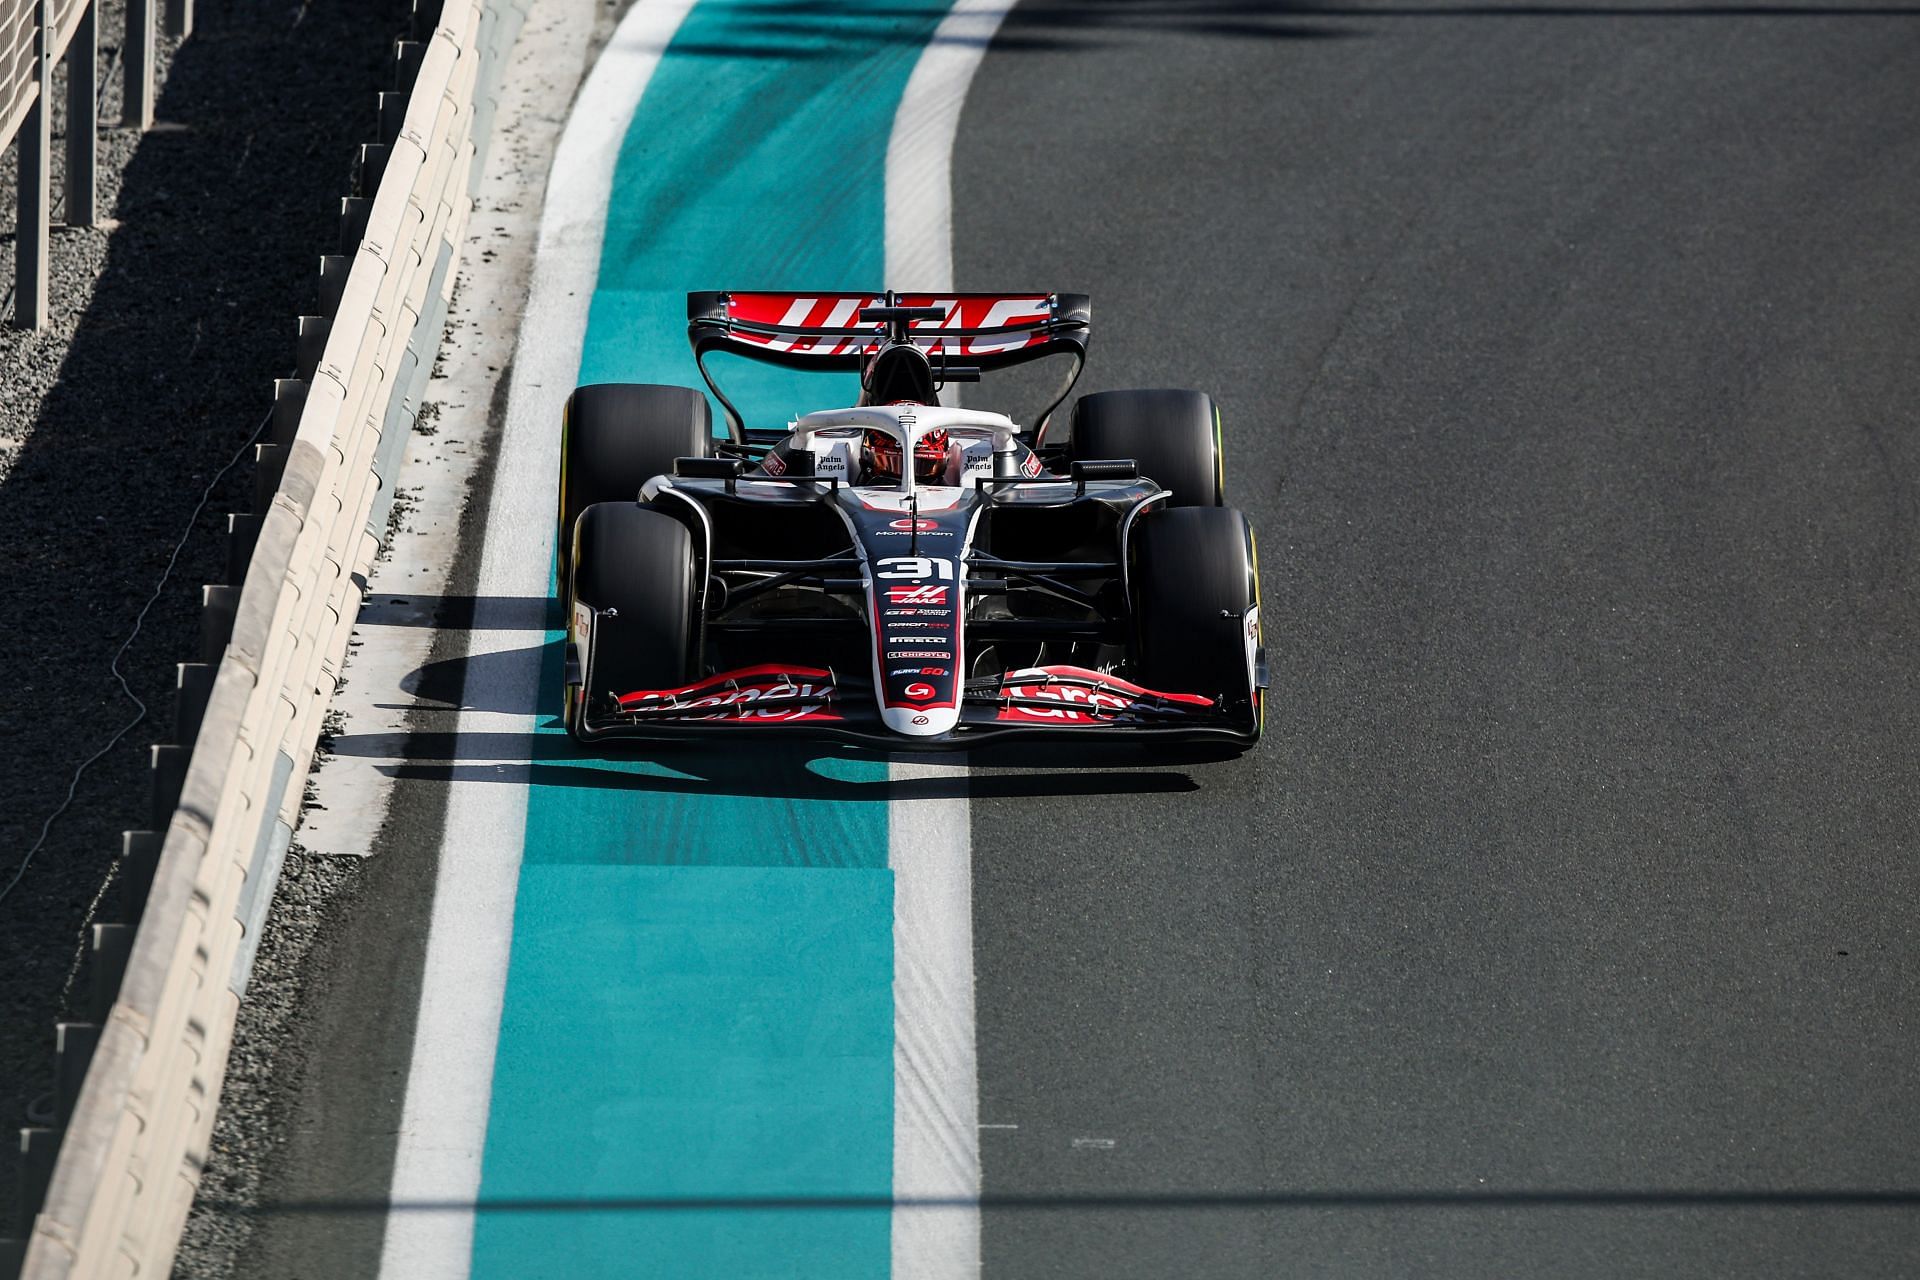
772 771
791 771
499 682
463 613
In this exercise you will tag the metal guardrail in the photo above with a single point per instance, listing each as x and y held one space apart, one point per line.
136 110
34 36
133 1150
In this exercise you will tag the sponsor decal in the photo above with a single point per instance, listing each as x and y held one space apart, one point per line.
922 525
922 720
800 318
831 464
737 697
915 568
1032 465
917 595
933 671
916 626
918 613
775 465
919 692
1077 696
1255 661
918 653
1006 313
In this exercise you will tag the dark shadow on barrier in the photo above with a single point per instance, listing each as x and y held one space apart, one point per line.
211 247
461 613
1154 1201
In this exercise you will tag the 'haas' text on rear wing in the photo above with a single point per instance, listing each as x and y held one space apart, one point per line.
977 332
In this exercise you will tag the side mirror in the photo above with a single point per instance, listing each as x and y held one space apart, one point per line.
1104 469
707 468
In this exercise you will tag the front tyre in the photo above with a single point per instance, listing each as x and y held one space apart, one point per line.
1196 609
616 436
1173 435
631 607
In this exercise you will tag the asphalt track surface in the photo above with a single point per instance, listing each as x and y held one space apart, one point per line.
1563 924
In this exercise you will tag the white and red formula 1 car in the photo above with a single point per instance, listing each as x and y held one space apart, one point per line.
900 572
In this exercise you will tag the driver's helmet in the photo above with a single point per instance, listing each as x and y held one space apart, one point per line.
880 455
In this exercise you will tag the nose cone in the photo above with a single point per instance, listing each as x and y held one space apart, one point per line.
912 722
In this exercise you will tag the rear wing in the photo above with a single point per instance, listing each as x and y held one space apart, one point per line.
979 332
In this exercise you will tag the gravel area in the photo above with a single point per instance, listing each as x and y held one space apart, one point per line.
252 1127
169 322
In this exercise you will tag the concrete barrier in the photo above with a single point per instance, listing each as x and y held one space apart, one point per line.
133 1151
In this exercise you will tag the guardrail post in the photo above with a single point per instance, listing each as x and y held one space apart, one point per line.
73 1045
243 531
83 117
270 456
111 945
310 345
38 1147
406 63
35 141
354 212
192 686
139 859
334 269
179 17
137 57
168 763
393 116
218 603
372 162
426 16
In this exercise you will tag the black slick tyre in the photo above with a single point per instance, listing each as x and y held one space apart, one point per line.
1196 596
633 568
616 436
1173 435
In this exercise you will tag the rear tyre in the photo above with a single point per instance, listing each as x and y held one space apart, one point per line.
1196 599
616 436
633 568
1173 435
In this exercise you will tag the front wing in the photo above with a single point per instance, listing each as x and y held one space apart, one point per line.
818 702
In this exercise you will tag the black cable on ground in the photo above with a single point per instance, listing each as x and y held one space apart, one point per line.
73 783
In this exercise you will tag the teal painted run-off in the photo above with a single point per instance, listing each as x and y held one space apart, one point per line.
699 1003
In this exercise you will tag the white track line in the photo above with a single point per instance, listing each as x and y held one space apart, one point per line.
444 1126
936 1103
936 1090
443 1130
920 152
